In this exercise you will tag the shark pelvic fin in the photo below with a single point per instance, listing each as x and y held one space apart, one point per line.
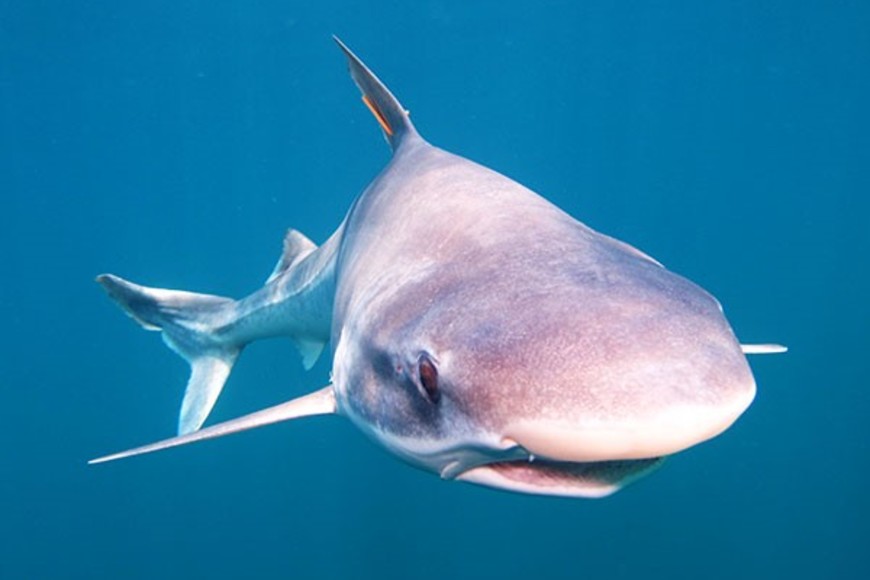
320 402
310 351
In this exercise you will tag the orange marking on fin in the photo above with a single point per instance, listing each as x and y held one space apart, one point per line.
377 113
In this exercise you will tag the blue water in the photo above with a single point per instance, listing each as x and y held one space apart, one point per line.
173 142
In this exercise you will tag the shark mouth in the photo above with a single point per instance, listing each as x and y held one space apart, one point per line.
557 459
561 478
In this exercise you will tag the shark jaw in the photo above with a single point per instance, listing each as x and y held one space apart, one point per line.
504 464
514 468
554 458
591 463
561 478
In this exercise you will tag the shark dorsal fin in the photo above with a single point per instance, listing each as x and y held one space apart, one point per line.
389 113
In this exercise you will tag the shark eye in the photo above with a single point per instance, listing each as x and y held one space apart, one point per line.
428 377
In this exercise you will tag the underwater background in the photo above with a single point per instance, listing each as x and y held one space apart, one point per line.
174 142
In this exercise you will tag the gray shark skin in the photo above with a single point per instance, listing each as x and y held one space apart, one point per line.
477 331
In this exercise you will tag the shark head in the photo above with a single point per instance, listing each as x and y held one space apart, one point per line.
552 360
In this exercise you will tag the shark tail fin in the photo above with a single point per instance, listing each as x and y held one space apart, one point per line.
186 320
389 113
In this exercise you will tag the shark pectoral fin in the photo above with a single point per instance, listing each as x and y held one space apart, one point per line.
763 348
296 248
320 402
389 113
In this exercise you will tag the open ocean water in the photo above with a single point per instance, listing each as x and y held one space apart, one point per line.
173 142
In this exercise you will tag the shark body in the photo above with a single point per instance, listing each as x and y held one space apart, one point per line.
476 330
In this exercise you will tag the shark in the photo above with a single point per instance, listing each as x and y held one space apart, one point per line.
477 331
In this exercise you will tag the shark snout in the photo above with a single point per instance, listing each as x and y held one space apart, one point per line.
654 432
657 383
